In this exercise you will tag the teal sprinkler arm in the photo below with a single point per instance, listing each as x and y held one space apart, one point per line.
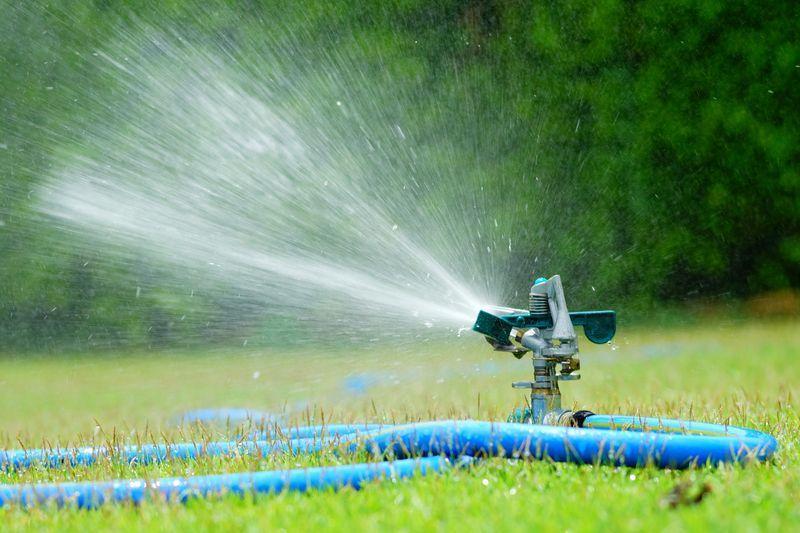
547 330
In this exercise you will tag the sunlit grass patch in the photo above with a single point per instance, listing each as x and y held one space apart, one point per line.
741 374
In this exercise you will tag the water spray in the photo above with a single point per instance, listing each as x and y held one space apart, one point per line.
547 331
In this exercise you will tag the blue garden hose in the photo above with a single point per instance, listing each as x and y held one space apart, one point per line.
89 495
227 415
414 448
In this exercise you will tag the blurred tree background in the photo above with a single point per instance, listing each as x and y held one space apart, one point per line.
671 126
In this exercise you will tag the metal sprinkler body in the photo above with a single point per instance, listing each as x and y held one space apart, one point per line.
547 330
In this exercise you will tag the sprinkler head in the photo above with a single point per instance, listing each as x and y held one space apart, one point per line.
547 329
500 324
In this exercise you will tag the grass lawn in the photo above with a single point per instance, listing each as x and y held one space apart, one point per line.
739 373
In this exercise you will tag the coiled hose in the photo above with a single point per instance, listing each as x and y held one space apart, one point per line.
419 448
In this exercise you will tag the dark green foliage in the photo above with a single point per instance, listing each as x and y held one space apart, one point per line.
671 127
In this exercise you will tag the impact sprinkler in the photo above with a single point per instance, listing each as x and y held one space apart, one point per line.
547 330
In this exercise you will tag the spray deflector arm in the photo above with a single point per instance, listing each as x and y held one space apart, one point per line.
497 323
552 292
